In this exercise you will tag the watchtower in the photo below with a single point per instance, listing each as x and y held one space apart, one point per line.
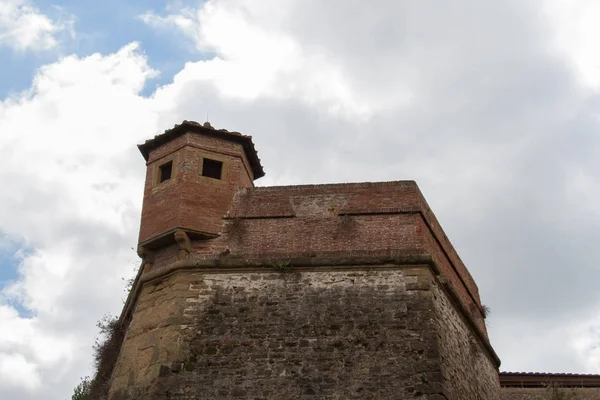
192 174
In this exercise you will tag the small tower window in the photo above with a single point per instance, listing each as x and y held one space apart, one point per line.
212 168
165 172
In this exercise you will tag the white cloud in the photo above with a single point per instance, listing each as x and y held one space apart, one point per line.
256 58
471 101
27 351
23 27
75 190
585 342
15 370
576 33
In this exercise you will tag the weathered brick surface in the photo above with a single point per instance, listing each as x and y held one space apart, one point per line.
432 247
321 235
546 394
190 200
447 248
327 200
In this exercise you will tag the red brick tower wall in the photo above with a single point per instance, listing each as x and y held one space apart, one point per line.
189 200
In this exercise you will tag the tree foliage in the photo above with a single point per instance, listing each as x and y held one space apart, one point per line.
82 391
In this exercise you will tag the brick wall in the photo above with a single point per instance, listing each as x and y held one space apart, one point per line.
190 200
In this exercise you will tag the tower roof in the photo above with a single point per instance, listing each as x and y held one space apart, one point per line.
206 129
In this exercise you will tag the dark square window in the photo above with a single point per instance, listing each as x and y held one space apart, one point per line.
212 168
165 172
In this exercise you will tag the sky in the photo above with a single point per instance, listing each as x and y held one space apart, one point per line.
492 107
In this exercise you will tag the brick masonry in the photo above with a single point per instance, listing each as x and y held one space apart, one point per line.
182 201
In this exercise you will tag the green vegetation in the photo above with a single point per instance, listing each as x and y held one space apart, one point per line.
106 351
82 391
281 265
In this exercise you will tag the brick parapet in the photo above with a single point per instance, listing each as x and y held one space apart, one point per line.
448 248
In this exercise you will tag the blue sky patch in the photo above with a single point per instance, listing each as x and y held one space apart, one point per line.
9 259
102 27
11 254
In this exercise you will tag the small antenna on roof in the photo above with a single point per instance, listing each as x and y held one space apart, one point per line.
207 124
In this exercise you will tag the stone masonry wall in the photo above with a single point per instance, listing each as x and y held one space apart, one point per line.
281 333
468 371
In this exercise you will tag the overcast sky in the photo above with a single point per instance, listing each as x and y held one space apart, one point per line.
492 107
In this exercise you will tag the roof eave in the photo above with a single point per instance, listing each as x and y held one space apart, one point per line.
190 126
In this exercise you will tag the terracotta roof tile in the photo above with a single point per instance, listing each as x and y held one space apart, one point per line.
206 129
540 379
